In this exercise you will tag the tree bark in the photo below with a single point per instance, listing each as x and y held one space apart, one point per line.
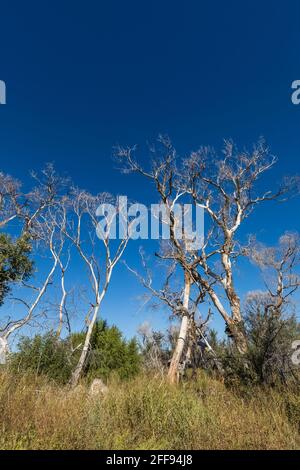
234 325
79 368
235 328
3 350
235 331
62 304
183 333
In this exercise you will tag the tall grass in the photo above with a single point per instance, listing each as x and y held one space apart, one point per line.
144 413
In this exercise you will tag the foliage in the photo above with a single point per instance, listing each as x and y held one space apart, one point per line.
109 351
43 354
14 262
56 358
270 334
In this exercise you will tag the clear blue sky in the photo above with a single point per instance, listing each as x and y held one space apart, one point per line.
83 76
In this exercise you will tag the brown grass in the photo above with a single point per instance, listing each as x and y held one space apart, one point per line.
145 413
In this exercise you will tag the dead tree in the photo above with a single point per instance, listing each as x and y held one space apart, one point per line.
38 290
183 306
278 265
164 175
11 199
179 304
60 250
225 188
29 211
99 256
152 345
271 326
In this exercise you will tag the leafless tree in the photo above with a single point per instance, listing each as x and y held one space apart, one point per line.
11 202
50 219
164 175
225 187
279 266
182 307
100 256
152 345
46 237
30 210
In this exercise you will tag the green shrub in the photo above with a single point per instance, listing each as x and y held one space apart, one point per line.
14 262
109 351
46 354
43 354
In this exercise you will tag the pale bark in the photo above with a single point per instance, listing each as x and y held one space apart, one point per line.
83 356
183 333
62 303
85 204
41 291
3 350
234 324
224 187
12 326
99 298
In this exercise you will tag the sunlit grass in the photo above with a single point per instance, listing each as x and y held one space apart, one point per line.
145 413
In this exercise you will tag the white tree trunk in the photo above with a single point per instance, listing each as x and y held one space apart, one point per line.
3 350
62 304
183 334
78 370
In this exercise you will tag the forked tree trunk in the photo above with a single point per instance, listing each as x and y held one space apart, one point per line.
183 333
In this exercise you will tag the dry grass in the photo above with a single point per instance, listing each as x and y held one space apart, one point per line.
144 413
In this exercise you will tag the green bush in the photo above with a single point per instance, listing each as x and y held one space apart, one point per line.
109 352
44 354
14 262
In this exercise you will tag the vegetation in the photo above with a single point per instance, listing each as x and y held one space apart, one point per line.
49 355
145 413
268 359
15 263
183 388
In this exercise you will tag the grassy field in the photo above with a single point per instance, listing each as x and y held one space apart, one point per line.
145 413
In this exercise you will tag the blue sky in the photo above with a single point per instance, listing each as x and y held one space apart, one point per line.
83 76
